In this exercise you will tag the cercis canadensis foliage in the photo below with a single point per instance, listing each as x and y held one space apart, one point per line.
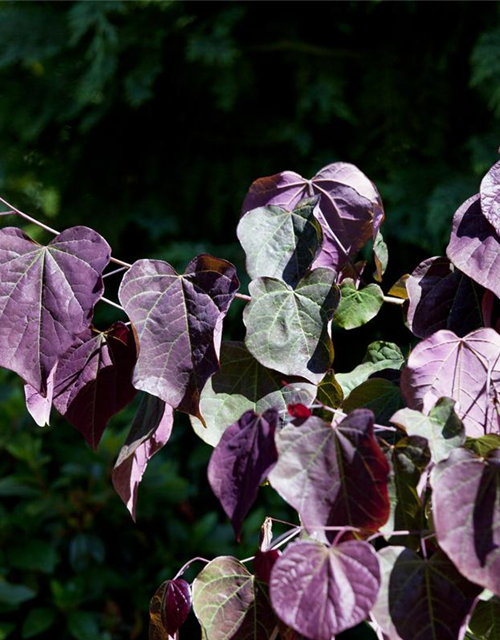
393 468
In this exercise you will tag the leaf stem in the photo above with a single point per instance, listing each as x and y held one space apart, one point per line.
186 566
393 300
112 273
113 304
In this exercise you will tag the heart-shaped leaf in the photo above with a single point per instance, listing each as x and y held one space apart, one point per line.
333 475
241 384
490 196
442 428
230 604
177 319
47 297
279 243
485 622
357 306
320 591
442 297
474 246
241 462
150 431
379 395
169 609
466 514
437 596
287 329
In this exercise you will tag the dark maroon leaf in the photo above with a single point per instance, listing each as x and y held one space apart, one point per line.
442 297
474 246
350 209
466 369
333 475
241 462
150 431
299 411
466 514
263 563
421 599
490 196
169 609
47 297
177 319
320 591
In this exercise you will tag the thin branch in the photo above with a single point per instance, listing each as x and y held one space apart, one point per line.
186 566
7 213
242 296
112 304
112 273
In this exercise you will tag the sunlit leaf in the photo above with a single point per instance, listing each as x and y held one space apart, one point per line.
357 306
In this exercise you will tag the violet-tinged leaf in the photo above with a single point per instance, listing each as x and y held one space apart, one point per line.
442 428
150 431
485 622
380 255
230 604
466 369
93 380
333 475
379 355
177 319
169 609
40 406
263 563
287 329
357 306
442 297
350 209
279 243
241 462
379 395
438 597
242 384
490 196
320 591
47 297
474 246
466 514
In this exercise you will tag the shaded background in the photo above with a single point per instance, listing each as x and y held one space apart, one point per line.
148 121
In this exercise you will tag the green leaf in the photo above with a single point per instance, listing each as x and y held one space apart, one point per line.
15 594
380 355
379 395
242 384
329 394
37 621
442 428
484 444
34 555
279 243
357 306
485 622
6 628
82 625
381 256
230 604
287 329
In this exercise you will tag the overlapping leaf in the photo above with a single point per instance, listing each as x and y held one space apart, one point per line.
321 591
177 319
350 206
230 604
150 431
357 306
47 297
169 609
241 462
490 196
333 475
287 329
442 297
466 513
421 599
466 369
242 384
485 623
474 246
280 243
379 395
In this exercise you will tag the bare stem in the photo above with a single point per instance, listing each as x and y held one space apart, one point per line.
242 296
393 300
112 273
112 304
188 564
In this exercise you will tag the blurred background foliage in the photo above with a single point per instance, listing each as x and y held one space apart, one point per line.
147 121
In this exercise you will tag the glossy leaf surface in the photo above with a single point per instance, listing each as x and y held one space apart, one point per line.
241 462
287 328
466 369
321 591
169 609
466 513
47 297
357 306
177 319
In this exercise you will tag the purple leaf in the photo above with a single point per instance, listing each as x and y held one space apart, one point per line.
40 406
150 431
421 599
47 297
241 462
350 207
490 196
169 609
333 475
474 246
466 369
263 563
178 322
321 591
442 297
93 379
466 514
